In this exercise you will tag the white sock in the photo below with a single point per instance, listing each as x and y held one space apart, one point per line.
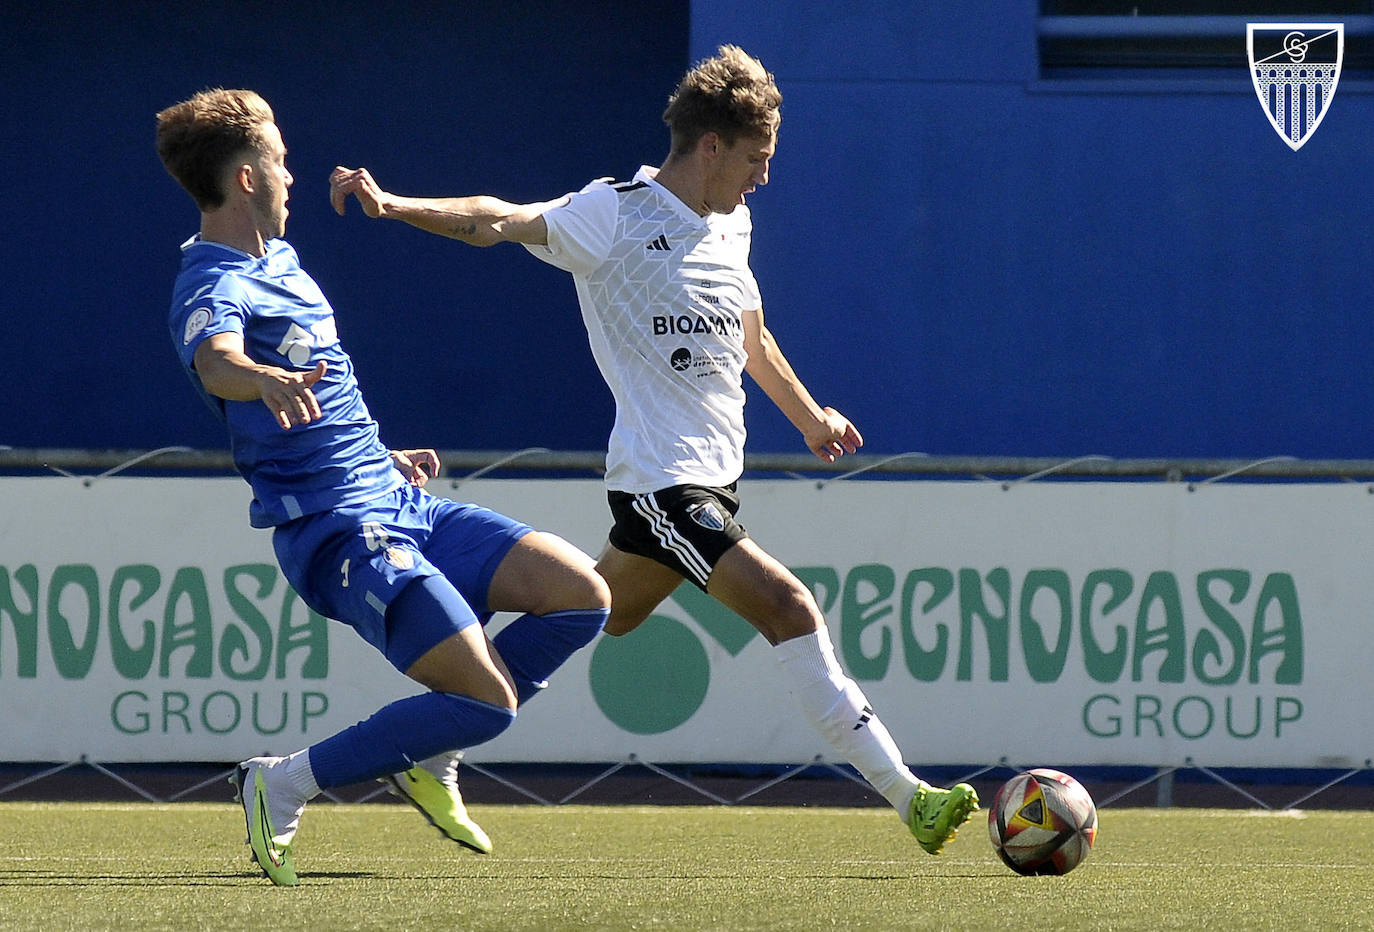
444 767
300 775
837 708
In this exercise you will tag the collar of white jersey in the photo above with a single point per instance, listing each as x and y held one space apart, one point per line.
647 175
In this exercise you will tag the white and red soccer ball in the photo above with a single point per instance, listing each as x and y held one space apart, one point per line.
1042 821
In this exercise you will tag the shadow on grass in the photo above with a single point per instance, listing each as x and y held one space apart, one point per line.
48 878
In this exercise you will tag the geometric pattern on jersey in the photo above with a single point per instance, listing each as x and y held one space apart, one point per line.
663 293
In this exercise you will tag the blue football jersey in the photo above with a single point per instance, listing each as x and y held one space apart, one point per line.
285 321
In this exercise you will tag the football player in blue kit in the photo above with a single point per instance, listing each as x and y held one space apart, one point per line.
417 576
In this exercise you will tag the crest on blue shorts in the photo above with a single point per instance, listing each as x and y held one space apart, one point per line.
400 557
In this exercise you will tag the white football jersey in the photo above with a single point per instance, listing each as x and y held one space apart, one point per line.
663 292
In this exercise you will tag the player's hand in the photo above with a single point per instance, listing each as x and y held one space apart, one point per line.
357 182
416 465
833 436
289 397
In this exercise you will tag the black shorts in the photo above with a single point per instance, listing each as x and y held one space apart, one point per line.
687 528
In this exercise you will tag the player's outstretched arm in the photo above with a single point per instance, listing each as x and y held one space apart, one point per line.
227 372
827 432
480 220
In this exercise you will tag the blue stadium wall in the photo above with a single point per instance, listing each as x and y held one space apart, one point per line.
963 254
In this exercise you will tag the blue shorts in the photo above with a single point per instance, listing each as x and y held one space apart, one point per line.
350 563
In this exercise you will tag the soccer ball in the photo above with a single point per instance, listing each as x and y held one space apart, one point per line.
1042 821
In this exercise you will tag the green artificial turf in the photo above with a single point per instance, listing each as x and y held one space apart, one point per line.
379 866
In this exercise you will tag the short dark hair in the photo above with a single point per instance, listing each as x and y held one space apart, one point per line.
197 139
731 94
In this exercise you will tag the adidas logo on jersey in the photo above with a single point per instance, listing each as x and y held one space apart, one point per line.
658 245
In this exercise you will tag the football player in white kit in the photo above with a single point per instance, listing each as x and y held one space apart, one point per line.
674 319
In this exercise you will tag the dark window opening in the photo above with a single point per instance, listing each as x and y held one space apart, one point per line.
1183 38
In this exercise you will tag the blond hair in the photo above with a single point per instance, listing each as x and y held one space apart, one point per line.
199 137
731 94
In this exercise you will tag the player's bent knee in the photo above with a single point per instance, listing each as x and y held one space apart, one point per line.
589 591
618 625
564 577
498 694
475 720
487 686
576 627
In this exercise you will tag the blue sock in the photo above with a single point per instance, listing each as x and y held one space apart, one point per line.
533 646
408 730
